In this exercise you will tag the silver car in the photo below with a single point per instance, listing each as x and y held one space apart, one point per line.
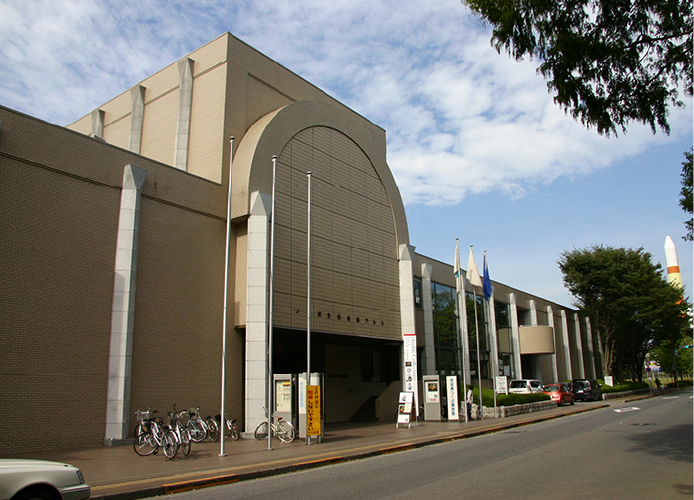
41 480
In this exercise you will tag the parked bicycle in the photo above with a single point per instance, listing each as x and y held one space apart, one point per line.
152 433
279 427
230 428
181 430
197 426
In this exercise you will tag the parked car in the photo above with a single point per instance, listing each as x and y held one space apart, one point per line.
586 390
524 386
41 480
559 393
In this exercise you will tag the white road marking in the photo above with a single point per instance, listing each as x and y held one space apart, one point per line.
622 410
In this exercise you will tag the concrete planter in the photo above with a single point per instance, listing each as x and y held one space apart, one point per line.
509 411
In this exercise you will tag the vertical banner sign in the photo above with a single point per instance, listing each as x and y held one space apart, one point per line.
411 366
453 406
313 410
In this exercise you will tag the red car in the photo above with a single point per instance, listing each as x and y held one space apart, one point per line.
559 393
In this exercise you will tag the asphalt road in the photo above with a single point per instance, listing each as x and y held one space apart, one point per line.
639 450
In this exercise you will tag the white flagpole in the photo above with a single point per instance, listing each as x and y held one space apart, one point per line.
226 296
474 279
270 304
308 299
460 297
479 371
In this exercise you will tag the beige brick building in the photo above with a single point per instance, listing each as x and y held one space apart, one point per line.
113 249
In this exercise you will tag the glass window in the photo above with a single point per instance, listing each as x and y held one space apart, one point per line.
417 294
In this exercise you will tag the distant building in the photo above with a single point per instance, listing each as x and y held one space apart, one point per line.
114 254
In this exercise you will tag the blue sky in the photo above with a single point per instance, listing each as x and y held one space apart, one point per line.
475 143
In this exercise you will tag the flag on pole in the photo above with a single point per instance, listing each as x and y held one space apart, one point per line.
487 285
456 269
473 275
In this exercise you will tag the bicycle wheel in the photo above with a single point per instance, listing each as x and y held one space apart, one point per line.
170 444
261 431
198 431
212 430
144 443
185 442
235 434
285 431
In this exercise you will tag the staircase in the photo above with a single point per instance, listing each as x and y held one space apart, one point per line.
367 412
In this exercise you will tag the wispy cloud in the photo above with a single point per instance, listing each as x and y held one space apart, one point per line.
460 119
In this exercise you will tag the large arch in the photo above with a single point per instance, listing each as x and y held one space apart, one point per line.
269 135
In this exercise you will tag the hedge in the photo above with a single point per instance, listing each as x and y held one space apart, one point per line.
505 400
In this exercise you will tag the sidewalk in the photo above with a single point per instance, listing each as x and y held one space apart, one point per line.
117 473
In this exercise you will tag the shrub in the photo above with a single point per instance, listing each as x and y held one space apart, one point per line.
505 400
623 387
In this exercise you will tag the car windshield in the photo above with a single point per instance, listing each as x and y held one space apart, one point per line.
551 388
518 384
581 384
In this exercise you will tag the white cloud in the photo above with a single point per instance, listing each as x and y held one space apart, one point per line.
460 118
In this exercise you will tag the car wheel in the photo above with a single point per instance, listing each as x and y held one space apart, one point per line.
37 493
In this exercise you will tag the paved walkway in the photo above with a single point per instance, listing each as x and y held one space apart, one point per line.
117 473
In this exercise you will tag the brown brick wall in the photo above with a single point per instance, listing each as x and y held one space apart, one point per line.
59 207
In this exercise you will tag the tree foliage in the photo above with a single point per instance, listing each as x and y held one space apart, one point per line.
686 193
629 302
607 62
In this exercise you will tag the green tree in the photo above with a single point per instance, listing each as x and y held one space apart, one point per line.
628 300
607 62
686 193
664 355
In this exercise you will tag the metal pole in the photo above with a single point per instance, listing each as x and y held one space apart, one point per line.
308 300
226 296
462 317
479 371
270 304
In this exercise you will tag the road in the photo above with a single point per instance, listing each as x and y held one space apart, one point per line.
637 450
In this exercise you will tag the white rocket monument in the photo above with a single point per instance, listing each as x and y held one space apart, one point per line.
672 262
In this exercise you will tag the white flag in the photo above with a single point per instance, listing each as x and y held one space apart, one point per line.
456 268
473 275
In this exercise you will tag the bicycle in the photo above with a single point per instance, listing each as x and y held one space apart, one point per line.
231 429
197 426
281 428
151 434
181 431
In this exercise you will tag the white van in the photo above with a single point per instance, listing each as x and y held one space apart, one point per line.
525 386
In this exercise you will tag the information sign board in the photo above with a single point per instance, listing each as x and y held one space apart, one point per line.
452 400
501 385
406 408
313 410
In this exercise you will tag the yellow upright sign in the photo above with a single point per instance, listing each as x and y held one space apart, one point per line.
313 410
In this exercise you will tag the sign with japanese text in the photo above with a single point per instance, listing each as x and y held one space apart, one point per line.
313 410
452 402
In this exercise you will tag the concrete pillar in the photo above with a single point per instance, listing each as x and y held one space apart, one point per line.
137 117
185 102
428 308
580 372
589 346
533 313
515 338
409 332
98 123
566 347
494 347
550 322
257 257
123 308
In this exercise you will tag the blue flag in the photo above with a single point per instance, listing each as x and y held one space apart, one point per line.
487 283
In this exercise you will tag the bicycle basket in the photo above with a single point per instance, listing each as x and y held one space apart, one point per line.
143 415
